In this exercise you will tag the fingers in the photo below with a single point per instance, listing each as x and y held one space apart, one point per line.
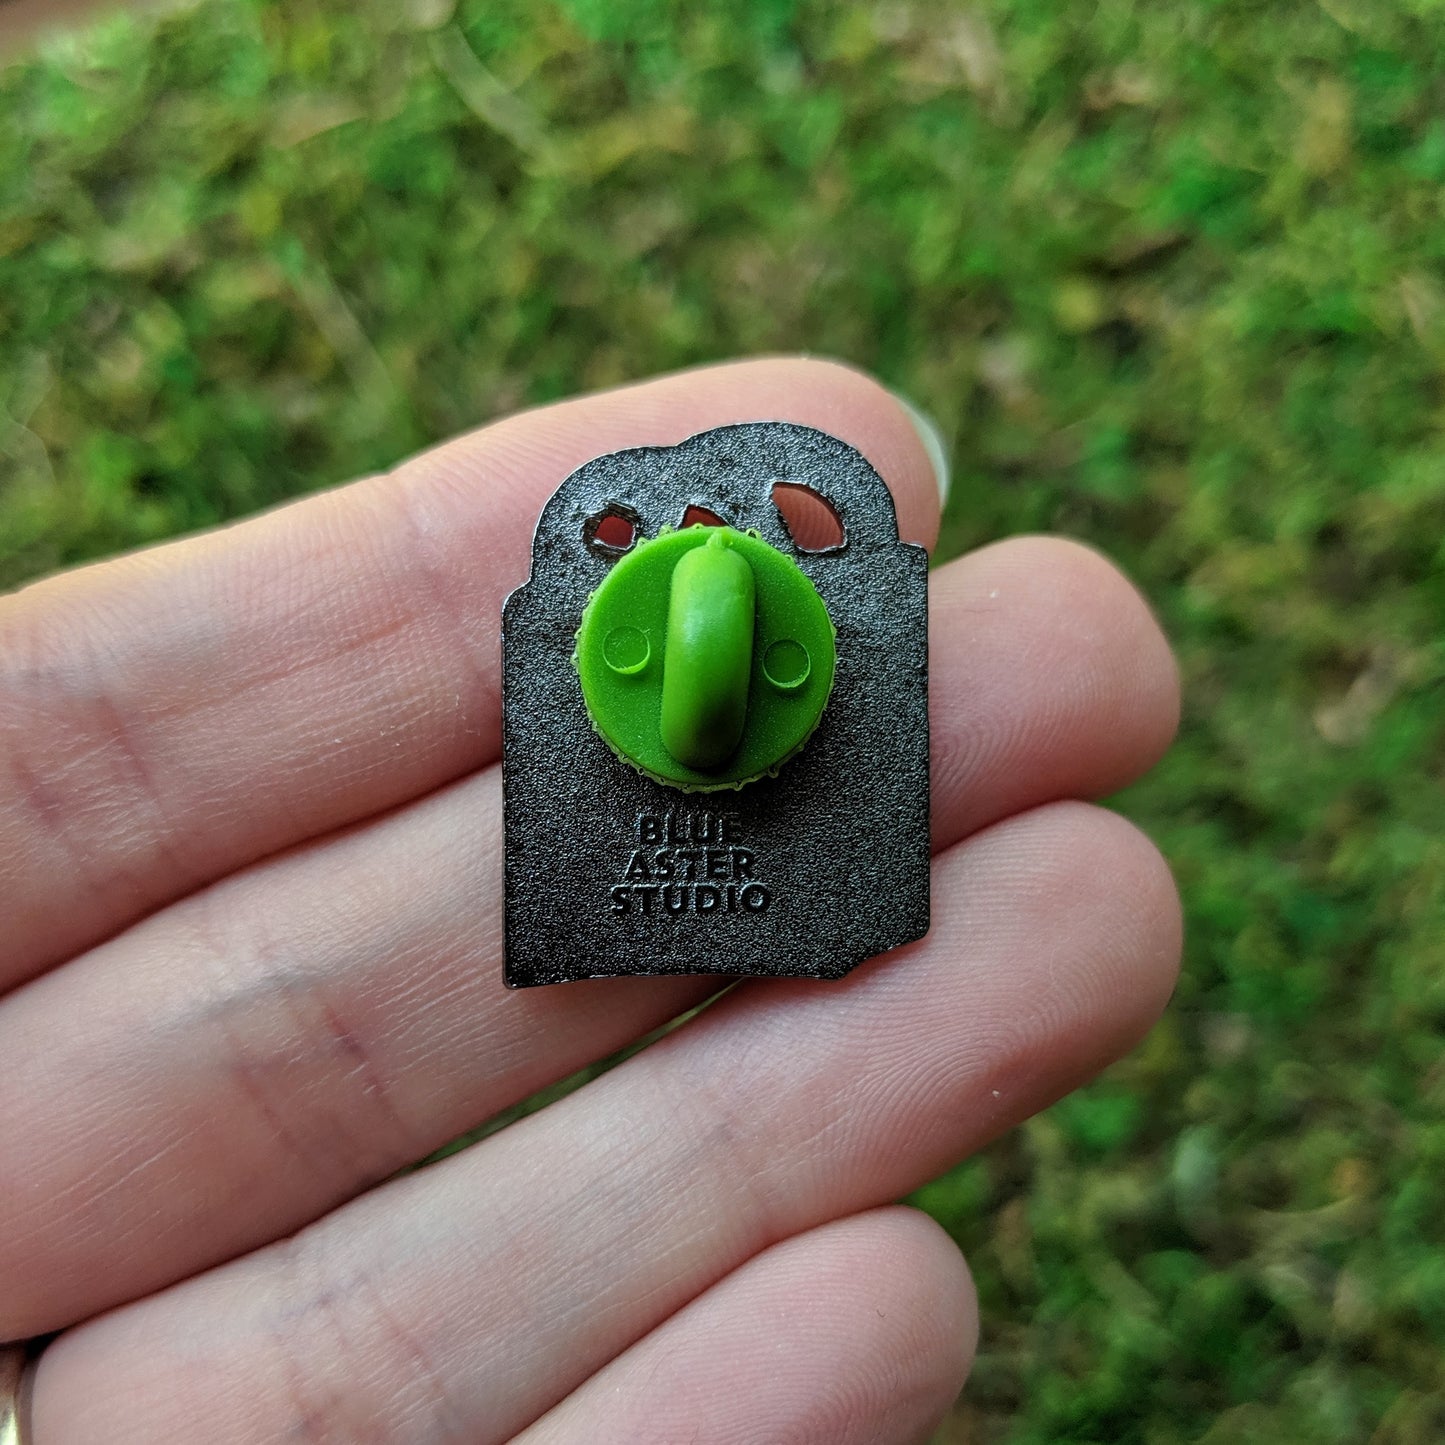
171 716
471 1297
857 1333
237 1065
1053 681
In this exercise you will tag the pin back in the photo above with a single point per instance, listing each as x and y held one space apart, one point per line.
715 741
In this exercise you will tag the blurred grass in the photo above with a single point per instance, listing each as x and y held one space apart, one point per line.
1173 279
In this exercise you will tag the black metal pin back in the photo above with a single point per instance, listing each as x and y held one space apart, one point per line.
715 741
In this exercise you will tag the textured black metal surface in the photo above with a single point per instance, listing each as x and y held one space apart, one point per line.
838 842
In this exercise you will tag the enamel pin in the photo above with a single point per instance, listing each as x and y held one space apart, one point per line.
715 741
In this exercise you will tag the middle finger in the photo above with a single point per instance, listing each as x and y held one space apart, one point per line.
241 1063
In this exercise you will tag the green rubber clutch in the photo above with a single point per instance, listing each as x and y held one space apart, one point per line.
706 658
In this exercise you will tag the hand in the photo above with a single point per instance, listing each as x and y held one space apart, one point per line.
250 853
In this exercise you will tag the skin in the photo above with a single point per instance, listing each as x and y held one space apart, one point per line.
250 865
23 20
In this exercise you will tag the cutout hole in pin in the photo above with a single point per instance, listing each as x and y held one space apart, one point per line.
699 516
612 531
809 517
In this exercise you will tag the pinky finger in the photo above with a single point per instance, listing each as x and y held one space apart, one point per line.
860 1332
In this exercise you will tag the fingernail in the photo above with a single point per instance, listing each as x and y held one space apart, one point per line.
933 444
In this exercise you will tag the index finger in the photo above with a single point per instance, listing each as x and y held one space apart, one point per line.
171 716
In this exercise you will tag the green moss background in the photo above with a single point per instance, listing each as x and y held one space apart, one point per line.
1172 277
